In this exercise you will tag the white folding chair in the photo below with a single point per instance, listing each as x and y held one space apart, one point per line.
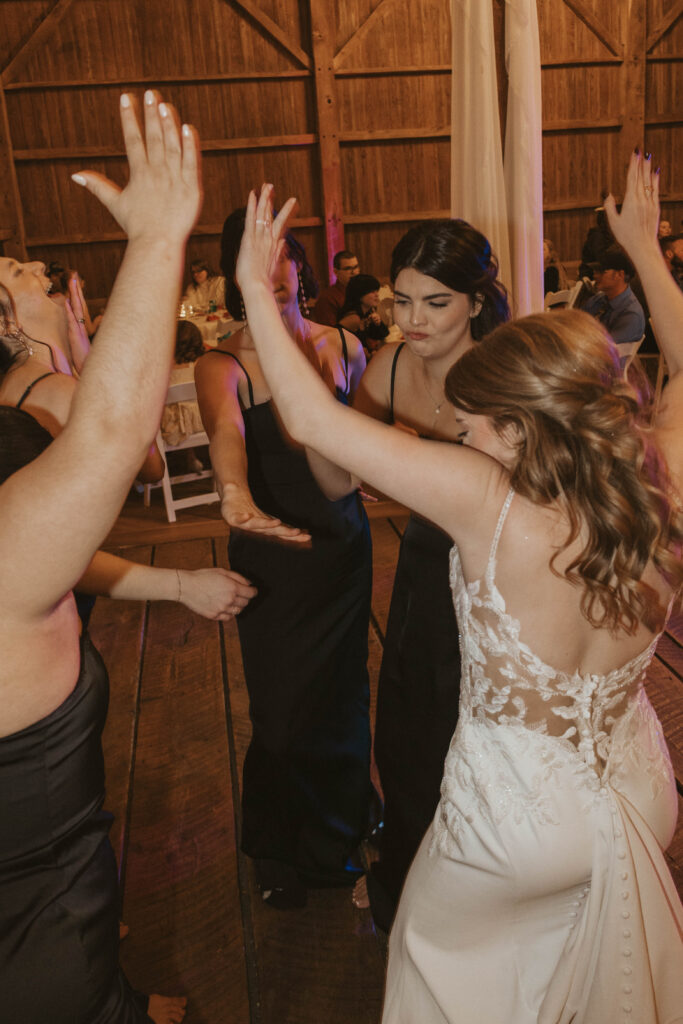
181 393
627 353
566 299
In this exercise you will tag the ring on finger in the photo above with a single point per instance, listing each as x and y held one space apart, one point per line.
648 190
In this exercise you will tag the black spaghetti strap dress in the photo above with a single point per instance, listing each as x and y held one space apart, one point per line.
304 638
417 702
58 882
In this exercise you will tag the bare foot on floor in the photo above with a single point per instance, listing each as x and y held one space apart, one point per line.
123 930
166 1009
360 896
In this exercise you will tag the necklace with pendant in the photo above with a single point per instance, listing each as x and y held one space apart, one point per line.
437 405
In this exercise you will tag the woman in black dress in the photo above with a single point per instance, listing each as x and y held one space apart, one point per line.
58 882
446 297
306 781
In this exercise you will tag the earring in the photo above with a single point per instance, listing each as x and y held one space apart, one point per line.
303 304
243 311
16 334
477 305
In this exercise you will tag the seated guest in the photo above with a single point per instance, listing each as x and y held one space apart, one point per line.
206 287
664 229
359 313
554 274
69 286
331 299
672 248
614 304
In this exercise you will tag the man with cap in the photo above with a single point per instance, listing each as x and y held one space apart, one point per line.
614 304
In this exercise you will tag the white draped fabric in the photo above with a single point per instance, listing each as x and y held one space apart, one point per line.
523 155
477 180
505 202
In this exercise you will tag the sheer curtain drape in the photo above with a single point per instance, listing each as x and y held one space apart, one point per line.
504 199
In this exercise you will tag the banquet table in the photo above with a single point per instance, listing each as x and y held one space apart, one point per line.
214 326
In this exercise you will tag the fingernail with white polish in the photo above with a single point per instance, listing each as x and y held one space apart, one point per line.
149 97
163 110
78 178
186 130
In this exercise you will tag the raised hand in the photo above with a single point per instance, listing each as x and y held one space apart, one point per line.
262 238
163 194
637 223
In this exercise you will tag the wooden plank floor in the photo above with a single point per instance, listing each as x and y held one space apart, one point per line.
176 736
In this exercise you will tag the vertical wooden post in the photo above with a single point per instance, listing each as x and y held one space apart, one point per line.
12 233
323 40
634 34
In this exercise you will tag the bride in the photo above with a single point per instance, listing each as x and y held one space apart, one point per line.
540 892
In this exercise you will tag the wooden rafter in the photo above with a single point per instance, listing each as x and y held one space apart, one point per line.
272 29
586 15
663 25
11 213
363 29
36 39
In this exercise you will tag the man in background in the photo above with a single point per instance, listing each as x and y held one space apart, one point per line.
331 299
614 304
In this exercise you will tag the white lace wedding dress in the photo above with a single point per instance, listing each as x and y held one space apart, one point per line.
540 894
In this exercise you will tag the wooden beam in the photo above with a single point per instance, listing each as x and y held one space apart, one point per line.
402 217
633 76
585 14
40 37
589 124
207 146
666 22
11 212
203 230
386 134
272 29
108 83
322 36
398 69
363 29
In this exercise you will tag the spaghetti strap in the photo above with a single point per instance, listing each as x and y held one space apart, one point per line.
499 529
345 357
222 352
393 377
31 386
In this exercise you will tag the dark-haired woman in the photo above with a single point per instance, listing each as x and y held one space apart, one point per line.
359 312
306 780
205 288
446 297
540 893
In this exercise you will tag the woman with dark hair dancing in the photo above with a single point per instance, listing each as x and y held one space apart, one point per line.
540 893
306 780
446 298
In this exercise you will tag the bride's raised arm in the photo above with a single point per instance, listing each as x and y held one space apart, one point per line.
445 483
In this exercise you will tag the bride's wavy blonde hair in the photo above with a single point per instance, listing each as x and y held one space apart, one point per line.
555 378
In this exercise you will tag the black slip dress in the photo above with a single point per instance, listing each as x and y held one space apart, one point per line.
306 781
59 935
417 701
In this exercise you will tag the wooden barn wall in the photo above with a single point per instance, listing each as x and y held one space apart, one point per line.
344 103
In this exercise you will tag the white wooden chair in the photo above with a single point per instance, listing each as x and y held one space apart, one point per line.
566 299
181 393
628 352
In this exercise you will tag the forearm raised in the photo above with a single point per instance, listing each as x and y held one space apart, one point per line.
110 576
